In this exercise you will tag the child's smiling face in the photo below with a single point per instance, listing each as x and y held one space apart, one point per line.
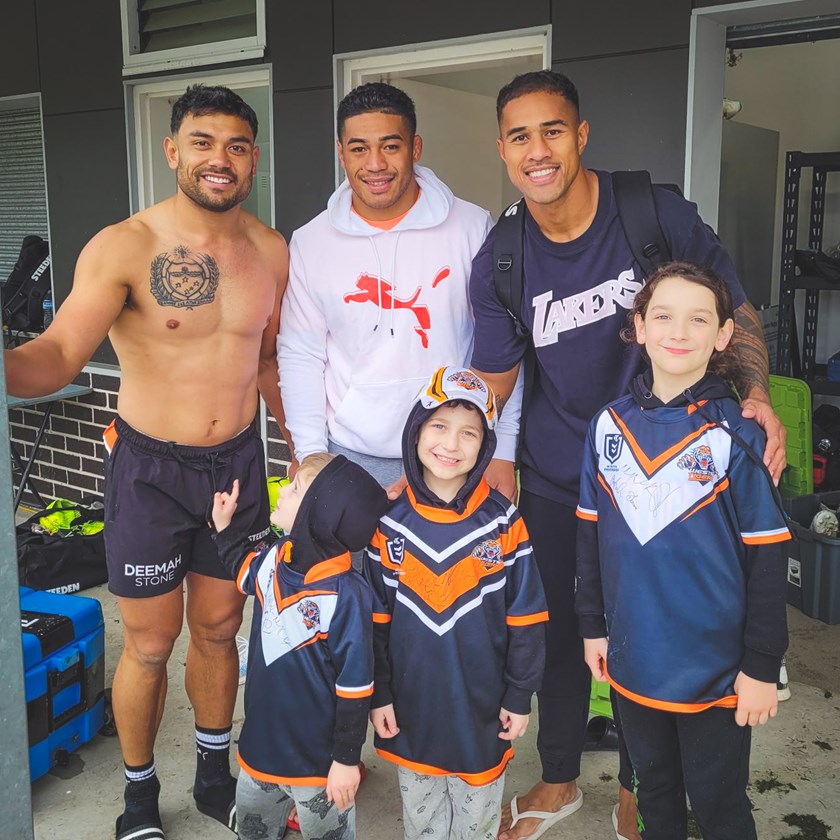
680 331
448 448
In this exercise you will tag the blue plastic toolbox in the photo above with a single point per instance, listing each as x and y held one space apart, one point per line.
63 658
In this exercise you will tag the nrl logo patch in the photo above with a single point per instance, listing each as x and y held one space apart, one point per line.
612 447
699 464
396 550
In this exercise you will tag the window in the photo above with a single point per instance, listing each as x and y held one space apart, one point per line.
169 34
23 192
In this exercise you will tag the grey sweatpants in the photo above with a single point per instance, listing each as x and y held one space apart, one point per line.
385 470
447 808
262 811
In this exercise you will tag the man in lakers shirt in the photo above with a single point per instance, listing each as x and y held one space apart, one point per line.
580 278
377 297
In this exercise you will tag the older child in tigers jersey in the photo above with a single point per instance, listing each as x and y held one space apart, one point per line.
681 567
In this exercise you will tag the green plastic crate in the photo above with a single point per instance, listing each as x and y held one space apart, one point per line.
599 699
791 400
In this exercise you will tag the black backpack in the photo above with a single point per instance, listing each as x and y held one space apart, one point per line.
636 211
26 287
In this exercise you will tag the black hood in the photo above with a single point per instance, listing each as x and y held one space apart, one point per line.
339 513
414 469
710 387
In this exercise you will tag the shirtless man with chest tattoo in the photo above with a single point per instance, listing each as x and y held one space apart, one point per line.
189 293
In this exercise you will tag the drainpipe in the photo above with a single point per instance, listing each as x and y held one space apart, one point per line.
15 790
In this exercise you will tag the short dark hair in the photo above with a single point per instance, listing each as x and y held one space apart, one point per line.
538 81
376 97
201 100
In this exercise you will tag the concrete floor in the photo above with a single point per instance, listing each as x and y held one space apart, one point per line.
795 763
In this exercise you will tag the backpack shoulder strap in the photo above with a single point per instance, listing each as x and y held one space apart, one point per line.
508 262
509 282
639 219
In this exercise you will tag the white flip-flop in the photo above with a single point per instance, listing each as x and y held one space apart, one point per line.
549 818
615 824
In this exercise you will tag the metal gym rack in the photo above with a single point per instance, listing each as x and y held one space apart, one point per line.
791 361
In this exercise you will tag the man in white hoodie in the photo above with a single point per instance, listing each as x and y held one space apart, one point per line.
378 291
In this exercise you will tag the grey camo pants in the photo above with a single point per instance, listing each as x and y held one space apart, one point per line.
262 811
447 808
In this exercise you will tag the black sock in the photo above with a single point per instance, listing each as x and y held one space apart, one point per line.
142 789
215 789
212 748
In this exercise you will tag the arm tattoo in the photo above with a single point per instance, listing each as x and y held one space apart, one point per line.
184 279
750 351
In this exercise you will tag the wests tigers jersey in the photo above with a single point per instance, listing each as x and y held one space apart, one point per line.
310 662
459 611
679 549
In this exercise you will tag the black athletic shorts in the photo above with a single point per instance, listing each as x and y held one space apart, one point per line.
158 499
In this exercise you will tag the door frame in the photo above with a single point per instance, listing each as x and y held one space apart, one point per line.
706 84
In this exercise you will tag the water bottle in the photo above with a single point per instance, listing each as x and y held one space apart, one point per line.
48 309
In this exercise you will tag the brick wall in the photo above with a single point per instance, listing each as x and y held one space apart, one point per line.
278 453
69 463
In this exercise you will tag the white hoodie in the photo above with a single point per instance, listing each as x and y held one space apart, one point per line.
370 314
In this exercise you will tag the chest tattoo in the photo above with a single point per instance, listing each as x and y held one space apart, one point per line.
183 278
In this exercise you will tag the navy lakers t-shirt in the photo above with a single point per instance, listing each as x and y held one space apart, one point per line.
576 299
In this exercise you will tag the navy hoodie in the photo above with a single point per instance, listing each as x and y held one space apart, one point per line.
310 661
459 630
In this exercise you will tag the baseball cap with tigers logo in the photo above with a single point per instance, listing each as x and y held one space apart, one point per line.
455 383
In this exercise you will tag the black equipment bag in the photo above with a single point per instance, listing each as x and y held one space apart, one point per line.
62 564
27 286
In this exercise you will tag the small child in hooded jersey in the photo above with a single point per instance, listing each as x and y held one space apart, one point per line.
459 638
310 668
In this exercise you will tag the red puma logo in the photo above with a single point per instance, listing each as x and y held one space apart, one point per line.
381 293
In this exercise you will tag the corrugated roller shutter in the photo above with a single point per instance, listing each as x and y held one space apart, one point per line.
23 193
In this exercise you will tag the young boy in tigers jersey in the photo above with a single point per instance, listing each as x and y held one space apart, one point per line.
310 668
460 623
